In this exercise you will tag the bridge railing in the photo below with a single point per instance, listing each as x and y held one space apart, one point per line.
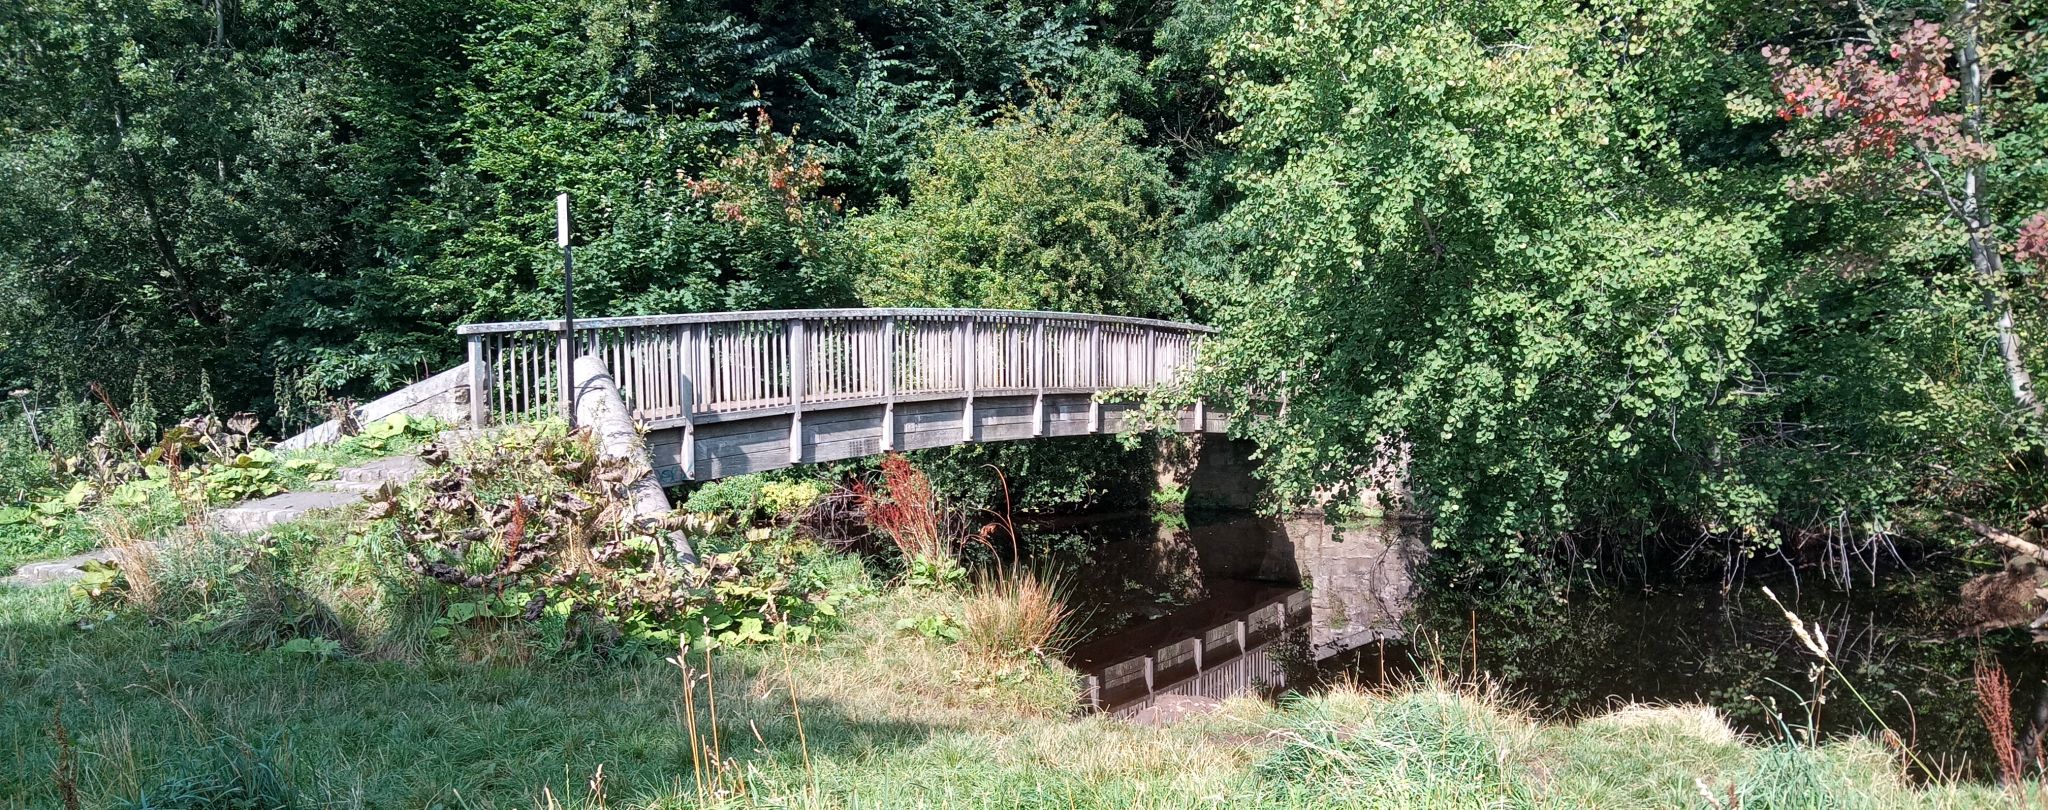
677 367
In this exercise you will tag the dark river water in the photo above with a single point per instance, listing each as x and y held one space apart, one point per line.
1227 603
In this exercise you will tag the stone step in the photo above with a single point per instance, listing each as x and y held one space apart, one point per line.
395 469
348 486
62 569
256 515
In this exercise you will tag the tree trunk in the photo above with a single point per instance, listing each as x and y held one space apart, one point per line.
138 177
1983 234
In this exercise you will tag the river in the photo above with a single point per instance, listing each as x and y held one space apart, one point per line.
1223 603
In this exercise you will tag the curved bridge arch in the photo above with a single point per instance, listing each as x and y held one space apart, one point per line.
728 393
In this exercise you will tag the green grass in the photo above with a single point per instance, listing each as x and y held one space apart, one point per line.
307 667
888 720
25 543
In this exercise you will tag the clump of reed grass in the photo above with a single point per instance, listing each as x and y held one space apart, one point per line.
1016 613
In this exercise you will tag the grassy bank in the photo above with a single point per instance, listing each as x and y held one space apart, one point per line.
52 507
497 636
887 720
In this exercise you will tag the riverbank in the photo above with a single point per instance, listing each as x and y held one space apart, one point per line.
870 716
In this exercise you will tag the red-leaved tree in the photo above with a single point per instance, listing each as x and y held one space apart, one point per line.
1902 125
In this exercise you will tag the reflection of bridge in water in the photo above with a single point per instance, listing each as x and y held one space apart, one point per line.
1232 658
1274 597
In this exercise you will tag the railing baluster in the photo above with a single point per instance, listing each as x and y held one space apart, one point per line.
889 383
967 380
1038 360
1094 377
1151 355
478 389
799 366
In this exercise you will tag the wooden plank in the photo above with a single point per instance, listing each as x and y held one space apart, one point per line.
479 385
968 361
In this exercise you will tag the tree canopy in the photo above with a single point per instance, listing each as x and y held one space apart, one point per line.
1760 277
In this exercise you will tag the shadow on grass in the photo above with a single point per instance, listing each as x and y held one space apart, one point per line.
357 733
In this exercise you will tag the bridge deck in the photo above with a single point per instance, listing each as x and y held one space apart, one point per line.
730 393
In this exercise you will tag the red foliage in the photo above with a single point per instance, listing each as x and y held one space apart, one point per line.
1994 707
910 514
2032 245
1883 106
767 176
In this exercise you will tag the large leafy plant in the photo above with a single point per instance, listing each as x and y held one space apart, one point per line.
532 529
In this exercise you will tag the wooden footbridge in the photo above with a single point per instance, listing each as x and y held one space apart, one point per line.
726 393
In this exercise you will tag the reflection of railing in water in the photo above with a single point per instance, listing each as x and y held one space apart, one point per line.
1228 659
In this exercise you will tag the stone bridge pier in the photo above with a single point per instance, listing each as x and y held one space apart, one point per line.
1214 471
1360 573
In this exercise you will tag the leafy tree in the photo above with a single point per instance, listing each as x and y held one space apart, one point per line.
1472 243
167 168
1047 207
616 104
1505 254
291 199
1901 127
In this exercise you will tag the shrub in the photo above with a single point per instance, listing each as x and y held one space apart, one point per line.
529 530
1065 474
912 515
396 433
746 498
24 468
1047 207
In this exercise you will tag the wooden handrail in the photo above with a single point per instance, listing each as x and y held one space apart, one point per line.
557 324
677 368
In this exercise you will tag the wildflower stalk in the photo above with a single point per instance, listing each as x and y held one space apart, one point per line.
1816 642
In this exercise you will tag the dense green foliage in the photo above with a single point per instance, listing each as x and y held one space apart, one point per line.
267 202
1513 250
1044 208
1570 270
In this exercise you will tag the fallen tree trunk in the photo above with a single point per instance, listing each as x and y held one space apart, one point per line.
601 408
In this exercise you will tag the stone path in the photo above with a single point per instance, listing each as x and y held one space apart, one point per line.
348 486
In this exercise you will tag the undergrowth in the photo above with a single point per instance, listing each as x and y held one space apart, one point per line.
52 505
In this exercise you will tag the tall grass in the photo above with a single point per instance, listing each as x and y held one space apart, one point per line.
1016 613
1420 748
